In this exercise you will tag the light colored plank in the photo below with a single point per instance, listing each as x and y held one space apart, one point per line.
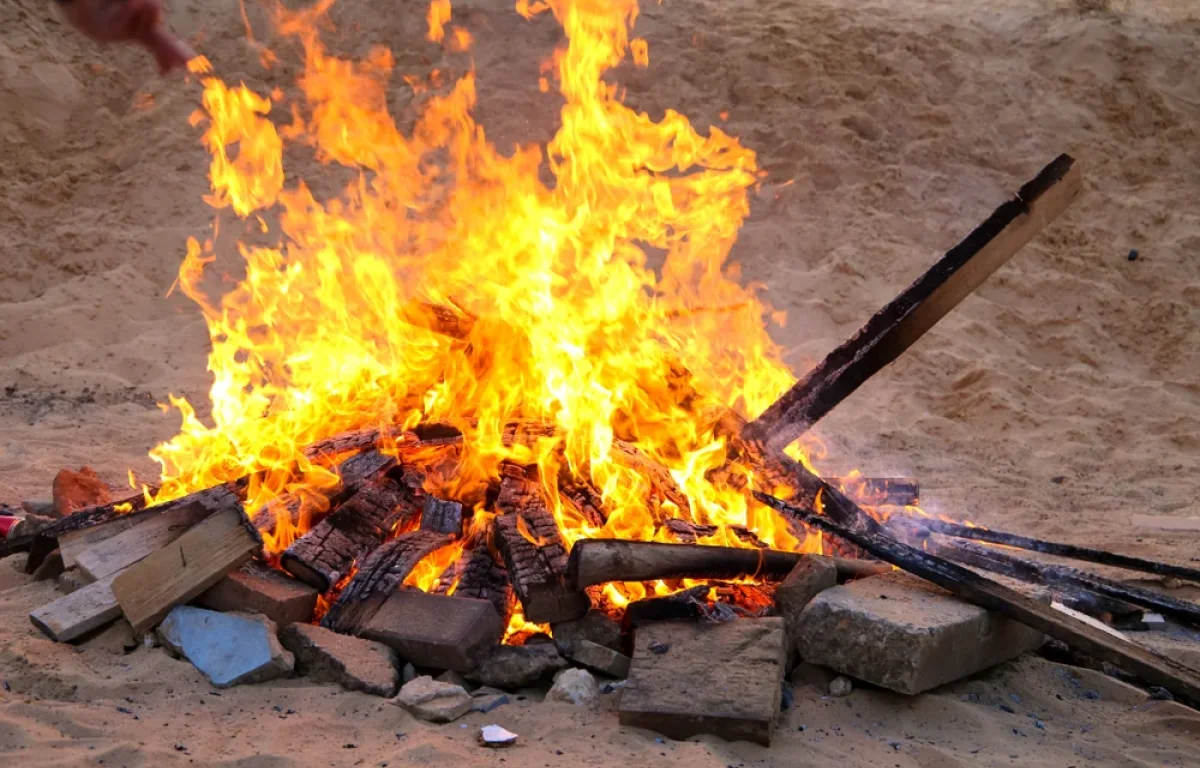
180 571
83 610
74 543
149 535
1167 523
1100 625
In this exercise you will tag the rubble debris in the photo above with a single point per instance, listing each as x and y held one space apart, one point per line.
574 686
721 679
600 659
228 648
436 631
509 667
324 656
73 491
257 588
494 736
840 686
71 580
488 702
904 634
427 699
594 626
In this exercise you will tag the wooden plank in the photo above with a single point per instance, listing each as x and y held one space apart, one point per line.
1167 523
907 317
183 569
72 543
151 533
841 517
71 616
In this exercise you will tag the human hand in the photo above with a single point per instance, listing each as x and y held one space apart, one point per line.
113 21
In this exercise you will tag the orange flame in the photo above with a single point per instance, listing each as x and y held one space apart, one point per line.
574 323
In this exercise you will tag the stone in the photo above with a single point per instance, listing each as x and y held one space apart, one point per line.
486 704
229 649
811 576
496 737
257 588
408 674
427 699
324 656
594 626
39 507
510 667
454 678
69 581
73 491
840 686
574 686
904 634
436 631
693 678
600 659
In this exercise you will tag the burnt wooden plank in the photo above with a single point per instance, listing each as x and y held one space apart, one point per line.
534 551
378 577
325 554
907 317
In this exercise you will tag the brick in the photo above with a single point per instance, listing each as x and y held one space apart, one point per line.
693 678
600 659
256 588
435 631
902 633
355 664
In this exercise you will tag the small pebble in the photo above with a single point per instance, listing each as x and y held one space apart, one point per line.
840 686
1039 725
1133 254
659 647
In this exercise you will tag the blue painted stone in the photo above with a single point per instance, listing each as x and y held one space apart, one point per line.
228 648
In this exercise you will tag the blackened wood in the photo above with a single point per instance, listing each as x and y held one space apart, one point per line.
688 604
663 487
689 532
882 491
379 575
599 561
1069 551
441 516
352 473
477 574
907 317
583 498
325 554
841 517
534 551
444 319
1053 576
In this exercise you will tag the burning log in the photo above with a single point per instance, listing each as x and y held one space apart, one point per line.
689 532
911 314
381 574
663 486
323 555
534 551
1069 551
599 561
180 571
881 491
477 575
1064 579
845 519
442 516
352 473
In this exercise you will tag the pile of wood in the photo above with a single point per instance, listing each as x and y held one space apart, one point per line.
380 523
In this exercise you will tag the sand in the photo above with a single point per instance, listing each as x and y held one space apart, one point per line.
1058 400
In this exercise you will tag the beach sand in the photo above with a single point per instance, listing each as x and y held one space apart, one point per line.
1058 400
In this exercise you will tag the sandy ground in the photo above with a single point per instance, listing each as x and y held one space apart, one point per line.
1058 400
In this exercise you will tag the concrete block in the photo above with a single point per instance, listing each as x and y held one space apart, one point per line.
596 657
903 633
324 656
229 649
689 678
435 631
811 576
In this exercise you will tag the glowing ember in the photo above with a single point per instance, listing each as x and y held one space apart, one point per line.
573 327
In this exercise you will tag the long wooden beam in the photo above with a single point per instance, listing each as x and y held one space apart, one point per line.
899 324
841 517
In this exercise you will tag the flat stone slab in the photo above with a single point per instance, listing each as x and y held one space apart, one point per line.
905 634
229 649
600 659
435 631
692 678
434 701
324 656
255 588
510 667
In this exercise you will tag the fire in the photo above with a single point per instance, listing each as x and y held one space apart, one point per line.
574 324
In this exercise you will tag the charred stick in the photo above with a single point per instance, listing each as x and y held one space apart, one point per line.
1069 551
599 561
841 517
911 314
